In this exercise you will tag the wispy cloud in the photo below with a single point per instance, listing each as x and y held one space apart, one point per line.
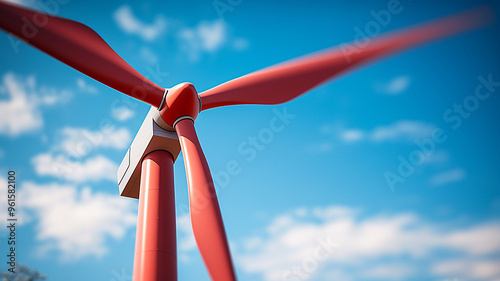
21 110
129 23
352 135
76 157
438 157
469 269
404 130
319 243
208 37
240 44
122 113
186 239
85 87
62 167
323 147
148 55
80 223
78 142
396 86
447 177
401 131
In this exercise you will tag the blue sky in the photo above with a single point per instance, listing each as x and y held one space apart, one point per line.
312 201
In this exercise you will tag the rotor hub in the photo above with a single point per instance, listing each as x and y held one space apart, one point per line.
182 101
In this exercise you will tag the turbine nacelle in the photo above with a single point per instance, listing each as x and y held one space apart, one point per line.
83 49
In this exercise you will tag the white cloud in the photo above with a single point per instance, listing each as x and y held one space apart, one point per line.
438 157
73 158
122 113
336 242
85 87
208 37
404 130
205 37
211 34
396 86
186 241
76 223
451 176
148 55
391 271
323 147
469 269
78 142
352 135
21 111
127 21
65 168
240 44
184 226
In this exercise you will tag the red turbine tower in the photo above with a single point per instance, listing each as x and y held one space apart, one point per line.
147 170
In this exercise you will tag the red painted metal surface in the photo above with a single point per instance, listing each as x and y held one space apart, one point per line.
206 218
80 47
155 247
182 100
286 81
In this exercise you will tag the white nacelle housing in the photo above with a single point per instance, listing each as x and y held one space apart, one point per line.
150 137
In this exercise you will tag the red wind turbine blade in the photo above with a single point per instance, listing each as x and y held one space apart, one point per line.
206 218
80 47
288 80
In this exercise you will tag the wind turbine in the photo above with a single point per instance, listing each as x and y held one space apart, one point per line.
147 169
